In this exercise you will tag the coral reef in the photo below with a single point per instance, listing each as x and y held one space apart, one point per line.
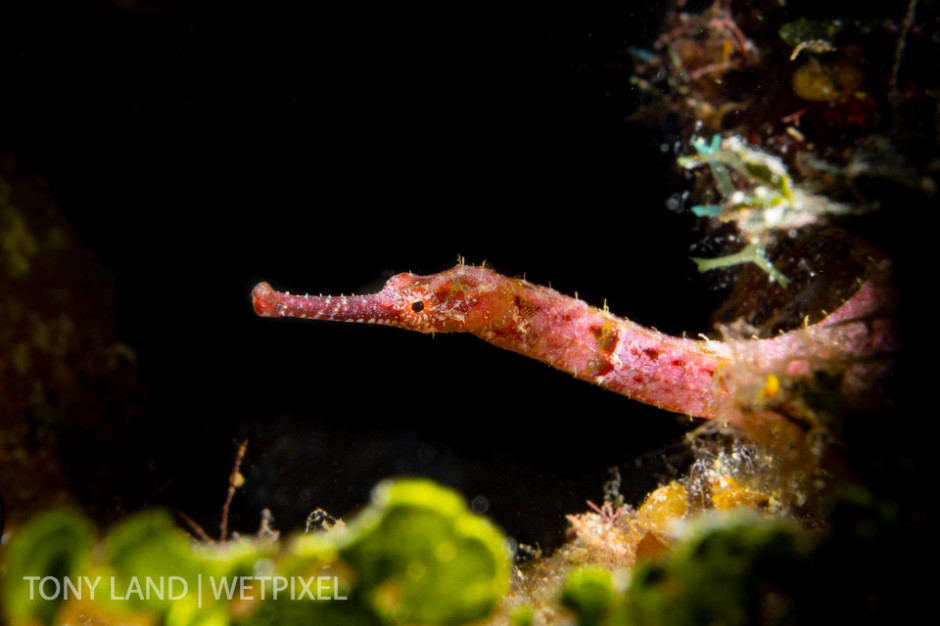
792 133
67 381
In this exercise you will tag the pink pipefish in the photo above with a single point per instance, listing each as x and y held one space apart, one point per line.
691 376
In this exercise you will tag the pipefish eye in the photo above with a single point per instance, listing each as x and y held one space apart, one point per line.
417 306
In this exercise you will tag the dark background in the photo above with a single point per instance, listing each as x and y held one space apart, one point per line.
200 147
